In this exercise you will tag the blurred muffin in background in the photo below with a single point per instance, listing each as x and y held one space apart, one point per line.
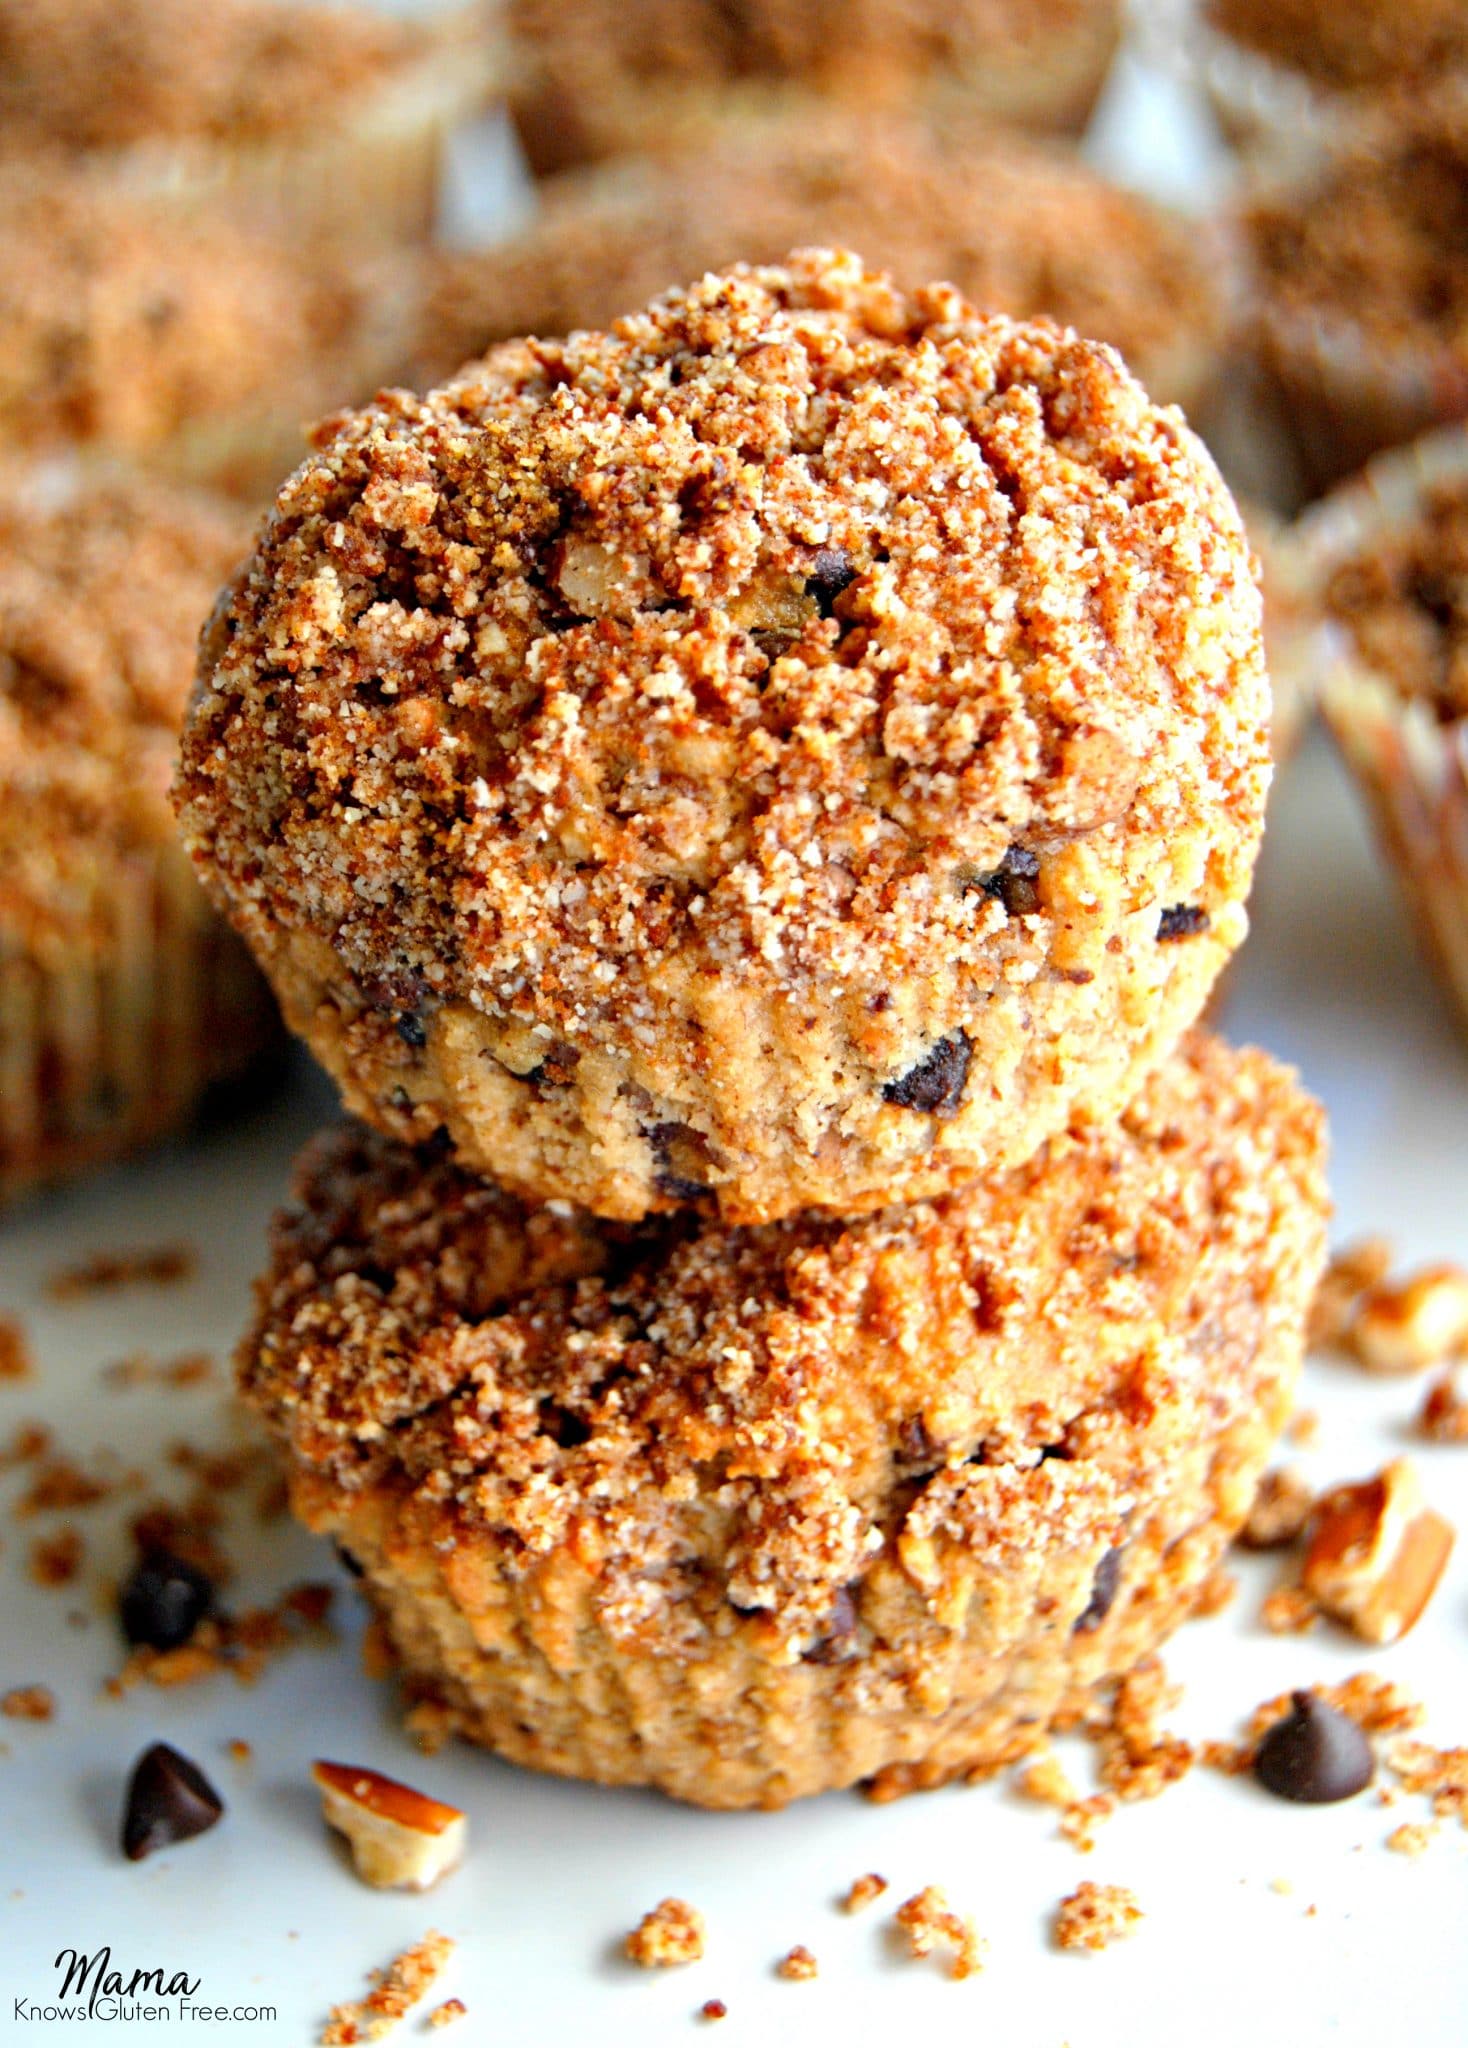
1360 280
1018 226
198 347
325 118
592 78
1385 564
1276 71
123 998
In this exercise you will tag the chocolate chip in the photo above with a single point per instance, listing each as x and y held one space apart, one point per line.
1015 882
1314 1755
412 1031
347 1561
680 1155
168 1800
935 1084
839 1641
1103 1593
833 571
1181 921
164 1601
917 1446
556 1070
563 1425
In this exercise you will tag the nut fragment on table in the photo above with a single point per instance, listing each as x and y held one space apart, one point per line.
1409 1325
1376 1553
400 1839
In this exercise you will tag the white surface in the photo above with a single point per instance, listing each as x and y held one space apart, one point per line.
265 1909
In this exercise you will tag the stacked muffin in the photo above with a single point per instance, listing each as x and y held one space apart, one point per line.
748 807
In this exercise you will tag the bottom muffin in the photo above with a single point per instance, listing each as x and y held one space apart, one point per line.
752 1513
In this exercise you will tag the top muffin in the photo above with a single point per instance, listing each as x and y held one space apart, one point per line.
793 750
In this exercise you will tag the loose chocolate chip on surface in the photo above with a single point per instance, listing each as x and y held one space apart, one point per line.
935 1084
411 1030
1103 1593
1181 921
1314 1755
164 1601
1015 882
837 1644
168 1800
833 570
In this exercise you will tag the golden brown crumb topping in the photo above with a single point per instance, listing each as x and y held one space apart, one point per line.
1019 228
749 637
98 74
1404 598
1377 235
104 584
761 1410
1351 44
1093 1916
928 1923
670 1934
125 325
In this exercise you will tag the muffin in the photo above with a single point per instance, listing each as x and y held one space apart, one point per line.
197 347
1279 71
1386 562
591 78
1019 228
123 999
1360 269
325 118
796 749
748 1514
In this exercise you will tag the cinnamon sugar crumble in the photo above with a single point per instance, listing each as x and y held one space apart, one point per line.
1443 1417
864 1891
141 1369
1289 1610
670 1935
446 2014
1402 599
408 1978
1281 1509
1094 1916
16 1362
1352 1270
929 1923
797 1965
55 1560
165 1265
1138 1759
1412 1838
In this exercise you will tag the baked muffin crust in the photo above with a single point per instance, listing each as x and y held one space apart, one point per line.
793 749
1403 599
1351 45
749 1512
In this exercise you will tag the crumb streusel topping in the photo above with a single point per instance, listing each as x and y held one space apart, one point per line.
743 726
1404 601
1350 45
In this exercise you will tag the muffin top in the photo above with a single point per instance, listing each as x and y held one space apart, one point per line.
1403 598
1033 1347
1376 236
101 74
1019 228
1351 45
755 633
104 584
122 323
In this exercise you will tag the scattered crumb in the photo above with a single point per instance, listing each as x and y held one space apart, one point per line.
1412 1837
928 1921
1281 1509
56 1560
713 2009
798 1966
1303 1428
1443 1417
1093 1916
29 1441
1080 1820
430 1722
157 1265
1283 1885
445 2015
1217 1591
1405 1326
142 1369
1352 1270
1441 1775
672 1933
1044 1780
61 1483
863 1892
28 1703
239 1751
16 1362
397 1989
1289 1611
1138 1758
